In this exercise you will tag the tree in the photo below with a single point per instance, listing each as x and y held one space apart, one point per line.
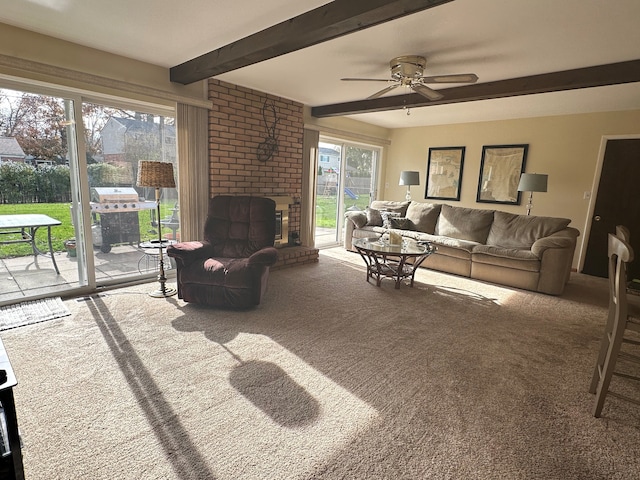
360 159
36 122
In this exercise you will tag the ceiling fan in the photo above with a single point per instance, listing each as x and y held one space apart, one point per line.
407 71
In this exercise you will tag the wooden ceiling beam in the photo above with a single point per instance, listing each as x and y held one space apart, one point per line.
597 76
327 22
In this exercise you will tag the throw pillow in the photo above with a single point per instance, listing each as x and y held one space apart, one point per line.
373 217
390 206
359 219
386 218
402 223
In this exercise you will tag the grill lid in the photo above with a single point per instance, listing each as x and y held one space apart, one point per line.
114 194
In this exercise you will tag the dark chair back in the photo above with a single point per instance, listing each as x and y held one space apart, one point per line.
238 226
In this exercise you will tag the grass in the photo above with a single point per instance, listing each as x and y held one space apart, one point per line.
66 231
326 208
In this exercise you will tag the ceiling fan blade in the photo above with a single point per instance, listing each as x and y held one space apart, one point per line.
366 80
458 78
383 91
426 92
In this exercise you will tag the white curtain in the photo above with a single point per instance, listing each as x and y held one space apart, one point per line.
193 172
309 172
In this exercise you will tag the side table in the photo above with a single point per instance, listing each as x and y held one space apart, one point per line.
151 255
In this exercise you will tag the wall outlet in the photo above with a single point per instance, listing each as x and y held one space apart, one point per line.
586 195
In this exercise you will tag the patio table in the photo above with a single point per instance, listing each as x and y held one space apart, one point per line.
26 226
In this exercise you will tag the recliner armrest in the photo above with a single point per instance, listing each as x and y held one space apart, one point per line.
266 256
187 252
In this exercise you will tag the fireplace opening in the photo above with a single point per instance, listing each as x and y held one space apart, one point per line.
278 224
282 220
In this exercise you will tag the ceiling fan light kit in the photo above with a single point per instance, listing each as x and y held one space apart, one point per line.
407 71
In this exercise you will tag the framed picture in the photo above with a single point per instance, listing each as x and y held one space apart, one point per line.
444 173
500 173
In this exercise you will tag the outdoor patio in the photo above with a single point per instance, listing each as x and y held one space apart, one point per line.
26 276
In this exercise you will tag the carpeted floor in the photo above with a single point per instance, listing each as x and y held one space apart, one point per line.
330 378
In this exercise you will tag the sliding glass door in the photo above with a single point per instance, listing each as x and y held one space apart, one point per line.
71 215
346 179
123 215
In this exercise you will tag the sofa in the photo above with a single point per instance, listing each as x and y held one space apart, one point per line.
523 251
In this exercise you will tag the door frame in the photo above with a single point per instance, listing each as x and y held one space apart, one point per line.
344 142
594 192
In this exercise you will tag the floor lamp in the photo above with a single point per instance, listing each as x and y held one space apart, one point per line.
532 182
409 178
158 175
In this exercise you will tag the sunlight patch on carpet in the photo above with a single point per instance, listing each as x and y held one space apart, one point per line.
27 313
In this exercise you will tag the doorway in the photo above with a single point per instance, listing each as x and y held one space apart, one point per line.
346 179
617 203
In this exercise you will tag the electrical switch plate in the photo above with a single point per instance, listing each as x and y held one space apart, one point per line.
586 196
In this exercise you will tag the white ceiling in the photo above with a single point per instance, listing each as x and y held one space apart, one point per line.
496 39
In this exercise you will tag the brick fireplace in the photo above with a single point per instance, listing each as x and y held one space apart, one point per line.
238 125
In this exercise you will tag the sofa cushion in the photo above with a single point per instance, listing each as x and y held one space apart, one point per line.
520 259
521 231
424 216
464 223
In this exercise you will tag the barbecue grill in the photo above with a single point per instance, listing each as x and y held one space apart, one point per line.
117 208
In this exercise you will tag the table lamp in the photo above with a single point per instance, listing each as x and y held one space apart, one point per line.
532 182
158 175
409 178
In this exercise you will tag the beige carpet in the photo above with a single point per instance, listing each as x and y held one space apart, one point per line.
330 378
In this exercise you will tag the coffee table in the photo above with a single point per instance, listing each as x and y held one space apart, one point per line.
392 261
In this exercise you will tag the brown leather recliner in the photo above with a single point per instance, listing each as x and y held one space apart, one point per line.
231 266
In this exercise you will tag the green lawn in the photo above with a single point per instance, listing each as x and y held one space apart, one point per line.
59 234
326 209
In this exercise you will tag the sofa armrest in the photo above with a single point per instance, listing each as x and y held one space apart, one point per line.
187 252
564 239
353 220
556 257
266 256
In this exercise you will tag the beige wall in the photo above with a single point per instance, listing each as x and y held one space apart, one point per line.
567 148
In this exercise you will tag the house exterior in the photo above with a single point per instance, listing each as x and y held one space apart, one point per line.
126 139
328 159
11 151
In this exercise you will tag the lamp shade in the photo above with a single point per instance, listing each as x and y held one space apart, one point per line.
533 182
409 178
155 174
